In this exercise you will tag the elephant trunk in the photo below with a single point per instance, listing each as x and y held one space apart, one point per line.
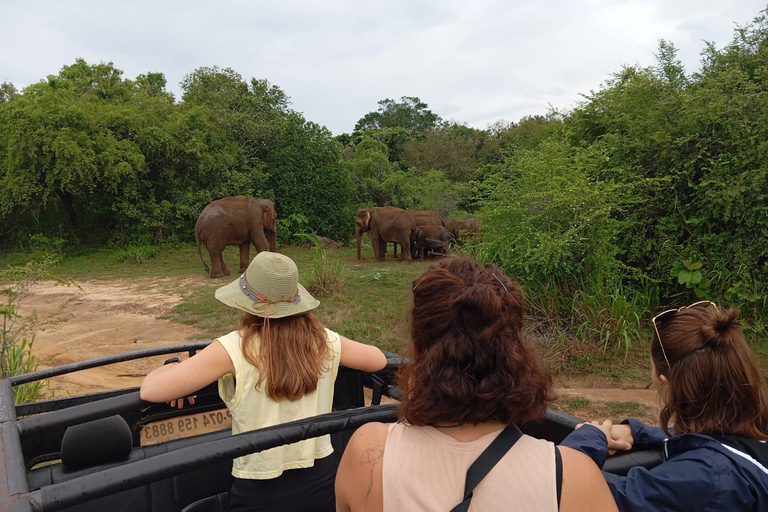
273 241
358 235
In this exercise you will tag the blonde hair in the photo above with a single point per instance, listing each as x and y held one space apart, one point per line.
290 354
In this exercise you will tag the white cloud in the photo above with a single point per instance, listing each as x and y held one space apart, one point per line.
474 62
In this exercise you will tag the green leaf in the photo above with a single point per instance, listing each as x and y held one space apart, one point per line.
687 264
696 265
684 276
695 277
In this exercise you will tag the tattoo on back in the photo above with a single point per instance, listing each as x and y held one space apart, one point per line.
371 457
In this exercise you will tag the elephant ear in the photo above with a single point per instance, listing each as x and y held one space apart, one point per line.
367 217
268 216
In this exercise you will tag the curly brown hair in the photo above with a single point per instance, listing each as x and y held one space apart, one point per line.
470 362
714 386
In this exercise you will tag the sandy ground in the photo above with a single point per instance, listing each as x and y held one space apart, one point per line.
102 317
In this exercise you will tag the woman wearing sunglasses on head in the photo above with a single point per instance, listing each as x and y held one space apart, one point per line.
714 420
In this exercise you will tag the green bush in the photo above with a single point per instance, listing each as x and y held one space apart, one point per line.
327 276
17 331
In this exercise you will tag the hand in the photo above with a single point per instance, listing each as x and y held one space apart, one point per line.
180 401
619 436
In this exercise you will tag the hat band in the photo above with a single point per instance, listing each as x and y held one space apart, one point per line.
255 296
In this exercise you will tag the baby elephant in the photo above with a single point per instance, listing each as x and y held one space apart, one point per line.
431 238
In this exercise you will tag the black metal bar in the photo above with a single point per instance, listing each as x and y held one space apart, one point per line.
13 475
142 472
38 425
57 404
111 359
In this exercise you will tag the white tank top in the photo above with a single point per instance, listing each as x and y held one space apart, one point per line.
425 469
251 408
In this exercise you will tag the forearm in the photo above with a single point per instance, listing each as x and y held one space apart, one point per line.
153 388
590 441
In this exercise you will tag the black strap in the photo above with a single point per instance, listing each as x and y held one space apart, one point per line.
558 475
485 462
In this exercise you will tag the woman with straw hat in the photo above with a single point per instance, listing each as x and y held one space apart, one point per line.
279 366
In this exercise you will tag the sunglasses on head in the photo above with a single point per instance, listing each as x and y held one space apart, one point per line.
654 320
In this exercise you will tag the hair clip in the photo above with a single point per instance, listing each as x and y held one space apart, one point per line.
500 282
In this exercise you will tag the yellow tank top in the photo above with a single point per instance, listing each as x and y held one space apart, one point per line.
251 409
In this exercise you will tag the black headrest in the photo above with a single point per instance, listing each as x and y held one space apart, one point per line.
96 442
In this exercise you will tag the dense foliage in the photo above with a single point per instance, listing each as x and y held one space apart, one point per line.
93 157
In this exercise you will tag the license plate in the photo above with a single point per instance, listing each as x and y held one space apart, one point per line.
185 426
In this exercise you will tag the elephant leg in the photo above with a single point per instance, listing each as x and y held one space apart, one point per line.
377 255
244 256
405 245
224 267
217 263
259 240
382 249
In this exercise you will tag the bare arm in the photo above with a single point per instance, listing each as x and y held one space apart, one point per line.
360 356
358 480
584 488
179 380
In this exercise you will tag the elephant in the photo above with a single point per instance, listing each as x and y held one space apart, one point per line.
235 221
426 218
431 238
423 218
386 224
463 229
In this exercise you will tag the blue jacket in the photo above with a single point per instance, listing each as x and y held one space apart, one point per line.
699 472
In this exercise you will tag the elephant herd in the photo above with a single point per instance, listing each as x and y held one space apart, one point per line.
244 220
417 231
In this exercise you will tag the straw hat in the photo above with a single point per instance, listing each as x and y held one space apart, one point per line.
269 287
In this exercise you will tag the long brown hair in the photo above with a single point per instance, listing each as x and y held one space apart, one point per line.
290 353
471 363
714 384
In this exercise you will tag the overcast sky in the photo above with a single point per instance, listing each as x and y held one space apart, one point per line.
474 61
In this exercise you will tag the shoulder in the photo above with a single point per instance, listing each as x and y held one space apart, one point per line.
334 338
368 438
583 482
360 468
230 339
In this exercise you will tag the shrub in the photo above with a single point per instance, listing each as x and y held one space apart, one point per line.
16 355
327 276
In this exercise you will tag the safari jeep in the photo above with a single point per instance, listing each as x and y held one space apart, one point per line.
113 452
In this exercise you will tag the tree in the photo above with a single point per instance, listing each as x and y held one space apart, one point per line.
378 181
410 113
7 92
455 150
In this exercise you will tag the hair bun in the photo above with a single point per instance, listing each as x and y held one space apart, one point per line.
724 328
478 303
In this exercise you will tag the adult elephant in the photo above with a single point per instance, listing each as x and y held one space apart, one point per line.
386 224
426 218
431 238
423 218
235 221
463 229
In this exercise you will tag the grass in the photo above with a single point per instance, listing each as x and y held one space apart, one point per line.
370 308
614 411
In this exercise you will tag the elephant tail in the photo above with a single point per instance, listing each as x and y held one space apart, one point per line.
200 253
